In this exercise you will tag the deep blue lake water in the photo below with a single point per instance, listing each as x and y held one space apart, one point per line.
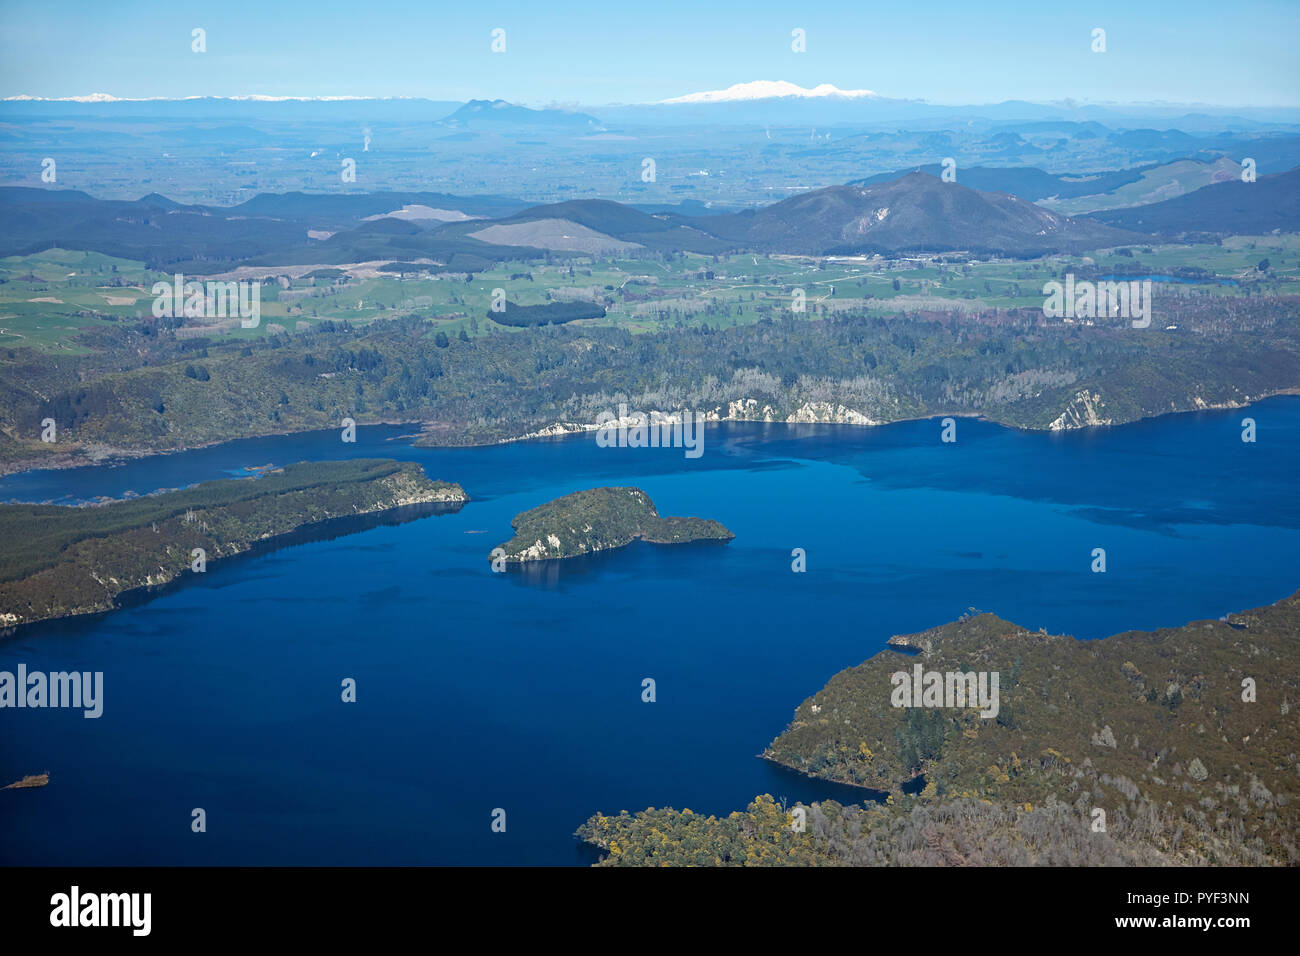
522 691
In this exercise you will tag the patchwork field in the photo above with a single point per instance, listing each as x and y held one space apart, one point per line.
47 298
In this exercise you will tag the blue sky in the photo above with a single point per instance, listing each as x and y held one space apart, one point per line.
1237 53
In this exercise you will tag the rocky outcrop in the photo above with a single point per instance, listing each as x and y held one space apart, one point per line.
739 410
31 780
1085 409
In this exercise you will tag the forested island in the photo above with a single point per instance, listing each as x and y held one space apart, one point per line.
60 561
1173 746
597 520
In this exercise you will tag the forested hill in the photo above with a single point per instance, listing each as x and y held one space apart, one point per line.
1180 737
599 519
61 561
146 389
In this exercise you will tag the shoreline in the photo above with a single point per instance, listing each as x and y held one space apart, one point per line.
324 530
1233 619
72 460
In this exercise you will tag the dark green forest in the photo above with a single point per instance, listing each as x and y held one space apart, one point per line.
1151 728
599 519
62 560
137 391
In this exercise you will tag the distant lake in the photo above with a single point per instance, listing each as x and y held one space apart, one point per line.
1184 280
522 691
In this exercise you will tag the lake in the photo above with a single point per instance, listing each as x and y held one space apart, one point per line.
522 691
1177 280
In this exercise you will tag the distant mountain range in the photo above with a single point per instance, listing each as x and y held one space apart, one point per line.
768 90
499 113
779 102
914 212
755 103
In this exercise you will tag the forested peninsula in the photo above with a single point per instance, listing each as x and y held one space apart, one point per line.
1167 747
59 561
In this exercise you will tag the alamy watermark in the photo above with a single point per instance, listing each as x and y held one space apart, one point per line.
1093 300
684 429
75 908
923 688
213 300
56 689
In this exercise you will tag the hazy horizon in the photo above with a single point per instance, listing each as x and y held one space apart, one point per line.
582 52
104 97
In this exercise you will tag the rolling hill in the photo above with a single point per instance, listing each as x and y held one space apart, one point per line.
1028 182
913 213
151 230
1154 184
1077 194
1233 208
595 219
267 229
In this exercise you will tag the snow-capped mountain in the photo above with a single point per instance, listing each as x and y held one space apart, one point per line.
768 90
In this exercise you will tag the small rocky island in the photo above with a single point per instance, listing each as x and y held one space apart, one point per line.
59 561
597 520
29 781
